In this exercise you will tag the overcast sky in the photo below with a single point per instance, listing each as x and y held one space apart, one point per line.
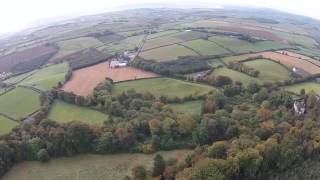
18 14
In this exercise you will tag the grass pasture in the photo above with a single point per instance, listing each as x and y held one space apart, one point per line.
298 39
205 48
191 107
63 112
269 71
308 86
167 53
71 46
88 166
126 44
164 86
162 33
48 77
159 42
241 46
190 35
6 125
235 75
19 103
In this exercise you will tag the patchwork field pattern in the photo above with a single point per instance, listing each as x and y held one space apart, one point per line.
84 80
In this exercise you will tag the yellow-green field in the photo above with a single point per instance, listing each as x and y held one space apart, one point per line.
235 75
63 112
308 86
191 107
6 125
71 46
164 86
48 77
205 48
270 71
88 166
19 103
167 53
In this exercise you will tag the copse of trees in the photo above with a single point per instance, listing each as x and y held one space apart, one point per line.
175 68
244 69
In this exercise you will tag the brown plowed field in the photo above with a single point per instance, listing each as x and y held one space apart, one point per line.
84 80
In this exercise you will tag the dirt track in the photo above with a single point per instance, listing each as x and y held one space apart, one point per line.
84 80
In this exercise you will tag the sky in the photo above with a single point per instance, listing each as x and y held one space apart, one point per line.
16 15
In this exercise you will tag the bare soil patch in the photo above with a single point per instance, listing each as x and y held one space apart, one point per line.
84 80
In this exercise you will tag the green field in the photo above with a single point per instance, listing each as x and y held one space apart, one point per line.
163 86
308 86
191 107
270 71
63 112
162 33
205 48
127 44
48 77
160 41
240 46
6 125
19 103
167 53
17 79
71 46
190 35
230 59
298 39
235 75
88 166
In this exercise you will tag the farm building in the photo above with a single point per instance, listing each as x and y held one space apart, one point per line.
117 64
299 107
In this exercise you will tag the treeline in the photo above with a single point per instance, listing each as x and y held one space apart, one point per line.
173 68
244 69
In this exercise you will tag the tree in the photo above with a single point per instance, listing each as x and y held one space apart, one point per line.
158 166
105 143
253 87
43 155
139 172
